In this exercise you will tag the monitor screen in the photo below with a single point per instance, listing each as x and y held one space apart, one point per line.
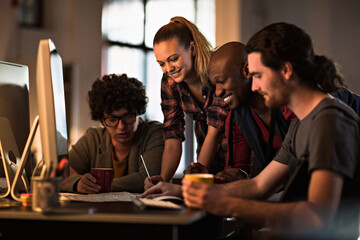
14 100
59 102
51 105
14 125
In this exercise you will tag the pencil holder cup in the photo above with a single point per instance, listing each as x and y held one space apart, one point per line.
45 194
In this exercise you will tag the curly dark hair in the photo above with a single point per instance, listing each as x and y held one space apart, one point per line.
113 92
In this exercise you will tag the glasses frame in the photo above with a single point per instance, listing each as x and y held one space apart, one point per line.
118 118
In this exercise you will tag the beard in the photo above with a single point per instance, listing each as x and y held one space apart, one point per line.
272 104
278 95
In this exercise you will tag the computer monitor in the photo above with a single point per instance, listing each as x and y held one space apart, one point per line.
51 107
14 122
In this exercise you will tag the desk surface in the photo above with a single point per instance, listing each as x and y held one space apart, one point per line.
96 220
115 212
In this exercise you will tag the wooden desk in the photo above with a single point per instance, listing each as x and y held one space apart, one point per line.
122 220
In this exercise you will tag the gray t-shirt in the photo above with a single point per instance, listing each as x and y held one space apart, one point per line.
327 138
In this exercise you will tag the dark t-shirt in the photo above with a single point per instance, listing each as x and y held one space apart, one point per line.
328 138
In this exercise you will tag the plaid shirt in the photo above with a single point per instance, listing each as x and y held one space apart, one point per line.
177 99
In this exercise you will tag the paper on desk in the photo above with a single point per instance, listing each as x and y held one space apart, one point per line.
100 197
143 203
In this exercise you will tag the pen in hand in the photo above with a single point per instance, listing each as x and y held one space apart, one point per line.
147 172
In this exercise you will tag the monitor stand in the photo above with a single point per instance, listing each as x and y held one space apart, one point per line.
8 145
10 158
24 157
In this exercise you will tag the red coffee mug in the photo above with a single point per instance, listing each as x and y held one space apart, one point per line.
103 177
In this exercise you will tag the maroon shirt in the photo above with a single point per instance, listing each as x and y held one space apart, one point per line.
242 151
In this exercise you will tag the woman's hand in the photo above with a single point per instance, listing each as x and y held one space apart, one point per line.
151 181
196 168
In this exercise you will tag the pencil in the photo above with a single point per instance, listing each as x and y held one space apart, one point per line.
147 172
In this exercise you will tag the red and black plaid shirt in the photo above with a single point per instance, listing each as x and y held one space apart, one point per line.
177 99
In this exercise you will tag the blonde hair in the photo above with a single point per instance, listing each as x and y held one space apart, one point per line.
186 31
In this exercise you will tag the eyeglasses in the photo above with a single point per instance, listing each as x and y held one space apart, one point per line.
113 121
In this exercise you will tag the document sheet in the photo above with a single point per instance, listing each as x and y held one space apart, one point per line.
99 197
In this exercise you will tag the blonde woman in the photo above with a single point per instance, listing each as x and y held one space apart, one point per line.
183 54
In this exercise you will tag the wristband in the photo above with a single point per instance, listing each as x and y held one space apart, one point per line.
247 175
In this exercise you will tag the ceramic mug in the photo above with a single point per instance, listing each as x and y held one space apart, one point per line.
45 194
103 177
201 177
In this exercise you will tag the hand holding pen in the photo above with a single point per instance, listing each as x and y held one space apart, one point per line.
151 181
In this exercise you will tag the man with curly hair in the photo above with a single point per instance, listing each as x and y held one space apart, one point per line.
117 102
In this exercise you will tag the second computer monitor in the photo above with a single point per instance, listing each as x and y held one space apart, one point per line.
51 105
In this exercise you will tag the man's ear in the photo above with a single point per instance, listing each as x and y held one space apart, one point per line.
287 70
193 48
245 71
